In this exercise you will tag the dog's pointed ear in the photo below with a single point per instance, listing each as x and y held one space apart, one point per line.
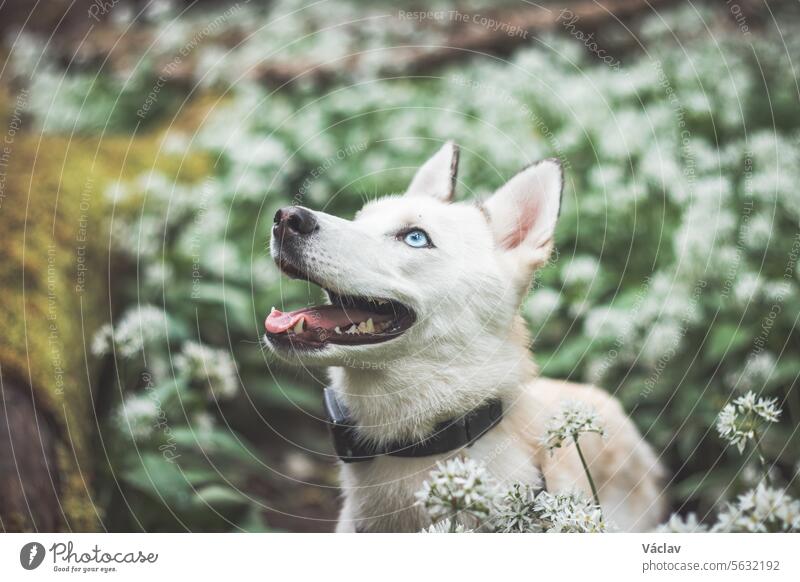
437 176
523 213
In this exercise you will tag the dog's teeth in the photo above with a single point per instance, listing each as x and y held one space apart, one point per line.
337 330
362 327
382 302
299 327
352 329
370 326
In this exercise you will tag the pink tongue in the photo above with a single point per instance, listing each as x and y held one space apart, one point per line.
322 316
278 322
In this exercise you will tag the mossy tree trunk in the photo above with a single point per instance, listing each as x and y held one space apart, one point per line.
49 208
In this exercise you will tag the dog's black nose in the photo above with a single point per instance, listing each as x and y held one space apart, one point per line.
294 220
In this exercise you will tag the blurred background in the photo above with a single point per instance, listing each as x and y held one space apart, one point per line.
147 145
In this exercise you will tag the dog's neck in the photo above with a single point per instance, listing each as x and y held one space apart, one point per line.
406 399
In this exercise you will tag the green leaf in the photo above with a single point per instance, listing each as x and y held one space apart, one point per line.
219 445
220 498
236 302
283 393
725 340
154 475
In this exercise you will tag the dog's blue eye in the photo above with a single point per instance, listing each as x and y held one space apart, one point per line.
416 239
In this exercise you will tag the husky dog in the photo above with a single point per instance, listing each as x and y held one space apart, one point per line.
423 325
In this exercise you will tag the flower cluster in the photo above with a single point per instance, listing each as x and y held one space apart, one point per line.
128 338
569 513
209 367
738 421
519 509
446 526
763 509
137 416
678 524
523 510
573 420
516 511
458 488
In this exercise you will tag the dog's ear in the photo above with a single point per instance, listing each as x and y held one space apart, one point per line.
437 176
523 212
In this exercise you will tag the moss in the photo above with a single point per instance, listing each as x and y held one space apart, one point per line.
54 274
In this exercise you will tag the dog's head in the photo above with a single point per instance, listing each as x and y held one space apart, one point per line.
415 274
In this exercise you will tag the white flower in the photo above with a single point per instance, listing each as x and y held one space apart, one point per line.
137 327
142 238
738 421
757 370
568 513
117 192
203 423
446 526
574 419
759 231
158 274
515 511
760 510
777 291
101 342
209 367
729 430
458 488
175 142
137 416
523 510
662 341
580 271
678 524
542 305
610 323
747 287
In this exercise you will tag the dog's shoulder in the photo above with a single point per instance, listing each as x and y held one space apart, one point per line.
553 393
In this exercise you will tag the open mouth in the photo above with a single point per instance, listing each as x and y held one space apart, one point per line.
349 320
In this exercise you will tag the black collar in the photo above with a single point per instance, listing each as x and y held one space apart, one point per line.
448 435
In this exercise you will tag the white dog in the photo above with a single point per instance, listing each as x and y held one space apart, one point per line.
424 340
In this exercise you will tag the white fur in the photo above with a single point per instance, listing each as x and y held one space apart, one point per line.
468 344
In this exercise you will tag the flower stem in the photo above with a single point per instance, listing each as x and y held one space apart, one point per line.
761 457
586 470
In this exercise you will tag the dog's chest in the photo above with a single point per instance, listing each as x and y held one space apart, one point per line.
380 495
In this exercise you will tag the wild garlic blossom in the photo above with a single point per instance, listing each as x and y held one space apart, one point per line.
524 510
446 526
214 369
137 327
516 513
137 416
738 421
458 488
573 420
678 524
580 271
568 513
763 509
